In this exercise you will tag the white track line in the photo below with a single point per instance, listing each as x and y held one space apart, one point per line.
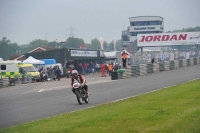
132 96
41 90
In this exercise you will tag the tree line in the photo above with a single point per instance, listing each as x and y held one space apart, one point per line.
7 48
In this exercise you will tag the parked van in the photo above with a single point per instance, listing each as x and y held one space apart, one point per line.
13 68
30 70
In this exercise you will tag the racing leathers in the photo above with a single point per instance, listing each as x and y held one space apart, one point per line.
81 80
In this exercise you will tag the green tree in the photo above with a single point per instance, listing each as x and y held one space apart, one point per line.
53 44
95 44
36 43
7 48
119 44
72 42
24 48
106 46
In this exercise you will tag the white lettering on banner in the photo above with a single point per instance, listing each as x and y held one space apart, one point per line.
84 53
165 39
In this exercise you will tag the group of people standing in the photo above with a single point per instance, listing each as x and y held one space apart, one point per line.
106 68
87 68
50 73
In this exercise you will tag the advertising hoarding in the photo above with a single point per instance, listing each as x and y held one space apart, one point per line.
168 39
84 53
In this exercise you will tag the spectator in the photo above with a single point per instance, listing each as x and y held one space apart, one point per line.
124 56
58 73
103 70
85 67
152 61
110 68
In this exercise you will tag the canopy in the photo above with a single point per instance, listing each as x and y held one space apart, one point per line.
49 61
33 61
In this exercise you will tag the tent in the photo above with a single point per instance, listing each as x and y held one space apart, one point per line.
34 61
1 59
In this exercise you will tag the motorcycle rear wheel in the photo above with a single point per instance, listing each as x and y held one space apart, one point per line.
86 99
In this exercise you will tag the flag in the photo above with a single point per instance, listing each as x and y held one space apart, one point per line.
84 46
80 46
114 43
101 42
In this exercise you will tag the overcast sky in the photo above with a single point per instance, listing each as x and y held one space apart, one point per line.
22 21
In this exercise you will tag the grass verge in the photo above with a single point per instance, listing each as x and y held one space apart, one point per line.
174 109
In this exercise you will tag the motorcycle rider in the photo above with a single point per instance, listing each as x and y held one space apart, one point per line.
81 80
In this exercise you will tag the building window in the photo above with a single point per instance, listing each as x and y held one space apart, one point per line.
125 38
3 67
132 23
133 34
144 23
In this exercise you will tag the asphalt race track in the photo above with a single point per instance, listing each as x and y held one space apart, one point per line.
33 101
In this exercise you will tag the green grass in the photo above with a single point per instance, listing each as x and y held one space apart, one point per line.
174 109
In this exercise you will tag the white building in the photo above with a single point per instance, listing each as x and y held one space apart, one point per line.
142 25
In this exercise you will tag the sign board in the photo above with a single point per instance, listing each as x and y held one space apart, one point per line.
168 39
83 53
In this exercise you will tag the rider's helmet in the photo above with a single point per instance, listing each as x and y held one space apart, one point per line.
74 73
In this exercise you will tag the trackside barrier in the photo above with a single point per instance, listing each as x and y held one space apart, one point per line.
171 65
5 82
184 63
180 63
176 64
166 64
156 67
144 69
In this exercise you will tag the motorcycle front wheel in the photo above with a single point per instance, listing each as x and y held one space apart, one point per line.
78 96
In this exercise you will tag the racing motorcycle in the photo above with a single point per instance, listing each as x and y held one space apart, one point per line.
80 93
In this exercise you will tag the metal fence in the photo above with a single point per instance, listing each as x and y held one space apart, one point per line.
141 57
